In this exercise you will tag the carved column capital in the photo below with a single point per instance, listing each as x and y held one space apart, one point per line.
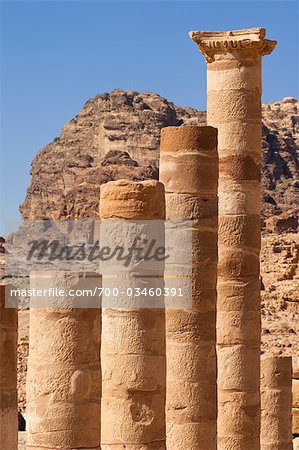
211 43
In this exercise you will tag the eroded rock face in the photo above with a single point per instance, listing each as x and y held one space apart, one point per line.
68 172
280 299
191 403
282 223
280 163
119 158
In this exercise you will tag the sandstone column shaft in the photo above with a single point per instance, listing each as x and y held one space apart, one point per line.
8 375
63 378
189 171
276 403
295 401
234 107
133 339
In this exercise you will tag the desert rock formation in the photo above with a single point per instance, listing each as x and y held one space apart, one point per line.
295 398
63 383
280 294
67 173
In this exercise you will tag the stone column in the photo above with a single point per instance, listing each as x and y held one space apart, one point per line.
295 401
234 107
133 339
63 378
189 171
8 375
276 403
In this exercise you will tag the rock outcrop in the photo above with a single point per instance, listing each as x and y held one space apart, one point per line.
280 166
117 135
68 172
280 294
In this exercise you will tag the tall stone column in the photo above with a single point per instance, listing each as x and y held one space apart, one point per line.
189 171
63 377
133 339
234 107
276 403
8 375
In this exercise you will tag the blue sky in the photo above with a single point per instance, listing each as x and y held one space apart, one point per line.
55 55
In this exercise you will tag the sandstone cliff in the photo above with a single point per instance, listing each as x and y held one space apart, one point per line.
280 293
68 172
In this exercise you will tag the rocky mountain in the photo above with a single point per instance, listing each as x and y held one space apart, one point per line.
280 167
280 293
116 136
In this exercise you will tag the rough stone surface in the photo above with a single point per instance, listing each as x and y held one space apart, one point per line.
295 397
22 440
280 294
295 390
93 149
133 340
280 301
8 375
234 108
189 171
282 224
295 421
63 382
296 366
276 403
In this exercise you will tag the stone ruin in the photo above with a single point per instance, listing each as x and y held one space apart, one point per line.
182 379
